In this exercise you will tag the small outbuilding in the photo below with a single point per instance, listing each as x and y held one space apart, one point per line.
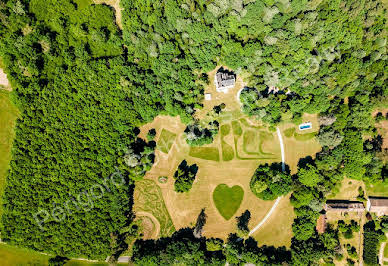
321 224
208 96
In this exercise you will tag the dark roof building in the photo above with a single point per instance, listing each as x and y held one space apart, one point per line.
344 206
224 80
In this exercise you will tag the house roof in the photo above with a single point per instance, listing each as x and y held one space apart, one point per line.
224 79
343 205
378 202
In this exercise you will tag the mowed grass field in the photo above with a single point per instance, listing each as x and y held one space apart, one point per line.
300 144
277 231
8 116
227 199
12 256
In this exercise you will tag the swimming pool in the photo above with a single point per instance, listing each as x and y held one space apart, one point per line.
305 126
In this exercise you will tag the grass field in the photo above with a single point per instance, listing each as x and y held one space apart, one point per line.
277 231
347 190
166 140
299 144
10 256
237 130
379 189
83 3
206 153
386 251
291 132
8 115
251 142
227 151
227 199
225 130
148 199
305 136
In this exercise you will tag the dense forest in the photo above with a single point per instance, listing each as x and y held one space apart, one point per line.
83 86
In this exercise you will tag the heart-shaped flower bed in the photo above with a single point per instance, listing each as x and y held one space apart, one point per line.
227 200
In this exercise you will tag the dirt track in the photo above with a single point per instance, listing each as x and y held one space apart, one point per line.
3 80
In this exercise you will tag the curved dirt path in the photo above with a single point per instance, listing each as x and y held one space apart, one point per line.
156 233
279 198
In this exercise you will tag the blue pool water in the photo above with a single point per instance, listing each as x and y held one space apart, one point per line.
304 127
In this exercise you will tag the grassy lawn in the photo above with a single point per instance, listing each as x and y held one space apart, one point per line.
10 256
166 140
227 151
225 130
379 189
148 198
237 130
305 136
347 190
291 132
277 231
251 144
227 200
83 3
8 115
81 263
206 153
386 250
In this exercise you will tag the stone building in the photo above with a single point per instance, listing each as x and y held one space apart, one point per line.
378 205
224 80
344 206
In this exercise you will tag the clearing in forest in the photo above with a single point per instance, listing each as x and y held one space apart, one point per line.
300 144
115 4
226 166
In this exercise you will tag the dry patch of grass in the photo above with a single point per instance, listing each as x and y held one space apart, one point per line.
4 83
277 231
116 6
348 190
296 145
229 99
